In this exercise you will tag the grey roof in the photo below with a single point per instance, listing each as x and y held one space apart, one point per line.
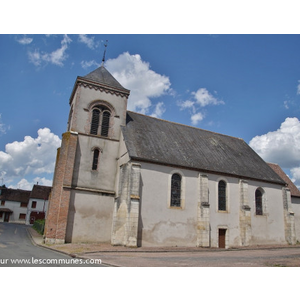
102 76
163 142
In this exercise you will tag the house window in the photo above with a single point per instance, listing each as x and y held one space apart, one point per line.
23 204
95 159
258 202
222 195
176 190
22 216
100 121
2 202
33 204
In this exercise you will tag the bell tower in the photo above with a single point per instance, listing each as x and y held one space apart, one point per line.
84 182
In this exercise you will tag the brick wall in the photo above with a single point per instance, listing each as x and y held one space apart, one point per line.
57 217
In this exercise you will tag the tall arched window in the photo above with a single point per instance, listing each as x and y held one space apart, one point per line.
100 121
258 202
95 159
222 195
176 190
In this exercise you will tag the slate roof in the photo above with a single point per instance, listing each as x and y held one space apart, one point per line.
158 141
294 190
102 76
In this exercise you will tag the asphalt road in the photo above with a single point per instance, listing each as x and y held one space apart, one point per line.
17 250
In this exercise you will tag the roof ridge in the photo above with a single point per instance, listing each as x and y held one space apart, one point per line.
189 126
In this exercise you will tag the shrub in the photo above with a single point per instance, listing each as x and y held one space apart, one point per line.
39 226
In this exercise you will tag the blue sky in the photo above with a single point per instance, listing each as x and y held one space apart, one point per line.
246 86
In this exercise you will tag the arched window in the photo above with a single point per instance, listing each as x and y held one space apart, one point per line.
176 190
100 121
222 195
258 202
95 159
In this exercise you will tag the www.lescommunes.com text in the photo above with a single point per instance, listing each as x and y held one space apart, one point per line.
49 261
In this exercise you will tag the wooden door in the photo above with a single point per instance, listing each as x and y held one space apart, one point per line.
6 216
222 238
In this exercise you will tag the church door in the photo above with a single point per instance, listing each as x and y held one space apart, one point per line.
222 236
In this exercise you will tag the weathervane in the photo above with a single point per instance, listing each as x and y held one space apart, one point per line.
103 59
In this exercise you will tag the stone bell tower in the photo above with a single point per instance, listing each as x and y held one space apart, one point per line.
86 171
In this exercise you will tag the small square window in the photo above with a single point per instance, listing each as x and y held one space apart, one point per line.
22 216
33 204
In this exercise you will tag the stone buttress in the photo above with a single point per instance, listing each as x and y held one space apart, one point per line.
289 218
126 209
203 214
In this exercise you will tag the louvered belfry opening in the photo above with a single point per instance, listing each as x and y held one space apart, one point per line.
105 123
100 116
176 190
95 121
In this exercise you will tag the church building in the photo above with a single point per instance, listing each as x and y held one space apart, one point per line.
129 179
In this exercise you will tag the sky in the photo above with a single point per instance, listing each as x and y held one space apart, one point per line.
242 85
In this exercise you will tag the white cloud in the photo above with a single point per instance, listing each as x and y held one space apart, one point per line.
286 104
196 118
298 88
3 127
135 74
204 98
35 57
24 184
159 110
89 41
88 64
32 156
25 40
56 57
186 104
295 172
281 146
201 98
